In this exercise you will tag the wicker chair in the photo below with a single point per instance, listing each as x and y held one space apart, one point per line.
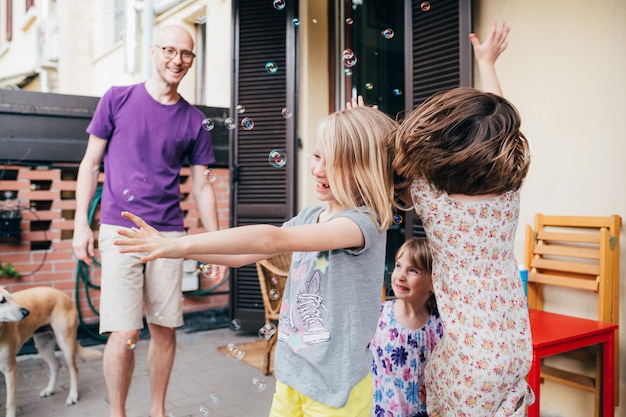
272 274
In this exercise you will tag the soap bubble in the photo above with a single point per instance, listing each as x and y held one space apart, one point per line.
286 113
131 344
349 21
204 410
214 398
206 270
349 58
247 123
267 331
229 123
235 324
277 158
295 21
207 124
273 294
397 92
397 219
128 194
369 86
235 351
271 67
258 382
388 33
158 316
241 109
425 6
279 4
210 175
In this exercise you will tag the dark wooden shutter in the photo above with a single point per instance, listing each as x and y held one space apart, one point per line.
261 193
439 47
438 58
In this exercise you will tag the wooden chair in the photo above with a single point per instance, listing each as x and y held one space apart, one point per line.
272 274
580 253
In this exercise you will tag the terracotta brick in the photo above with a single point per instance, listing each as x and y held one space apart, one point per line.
40 174
62 224
40 235
59 268
64 204
40 215
63 245
63 186
14 185
41 195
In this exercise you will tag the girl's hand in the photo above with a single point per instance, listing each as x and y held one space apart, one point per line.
496 42
358 102
146 238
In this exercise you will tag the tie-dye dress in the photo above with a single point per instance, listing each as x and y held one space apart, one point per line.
479 367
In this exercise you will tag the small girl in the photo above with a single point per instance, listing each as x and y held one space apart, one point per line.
408 330
331 301
461 161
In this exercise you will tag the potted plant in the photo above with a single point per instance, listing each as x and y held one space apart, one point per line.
8 271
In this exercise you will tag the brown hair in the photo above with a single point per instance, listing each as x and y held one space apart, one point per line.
462 141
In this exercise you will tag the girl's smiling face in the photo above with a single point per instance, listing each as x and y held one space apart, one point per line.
409 282
323 191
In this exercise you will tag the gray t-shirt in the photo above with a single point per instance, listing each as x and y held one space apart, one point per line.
329 314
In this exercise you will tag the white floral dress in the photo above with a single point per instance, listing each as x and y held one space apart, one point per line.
479 367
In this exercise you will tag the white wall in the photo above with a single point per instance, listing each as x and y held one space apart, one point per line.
565 70
313 89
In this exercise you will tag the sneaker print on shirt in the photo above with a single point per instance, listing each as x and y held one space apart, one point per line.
305 314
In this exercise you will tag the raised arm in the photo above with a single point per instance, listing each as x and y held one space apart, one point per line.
487 53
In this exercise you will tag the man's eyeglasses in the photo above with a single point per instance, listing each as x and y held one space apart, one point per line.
170 53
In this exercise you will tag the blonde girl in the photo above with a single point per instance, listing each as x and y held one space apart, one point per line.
331 301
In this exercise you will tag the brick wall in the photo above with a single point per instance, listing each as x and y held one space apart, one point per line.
43 255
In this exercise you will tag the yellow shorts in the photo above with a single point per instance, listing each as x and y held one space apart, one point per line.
288 402
129 287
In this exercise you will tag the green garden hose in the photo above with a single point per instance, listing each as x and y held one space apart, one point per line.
82 275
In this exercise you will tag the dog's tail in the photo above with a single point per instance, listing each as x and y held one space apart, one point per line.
87 354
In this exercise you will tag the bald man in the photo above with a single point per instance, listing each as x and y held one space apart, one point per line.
144 133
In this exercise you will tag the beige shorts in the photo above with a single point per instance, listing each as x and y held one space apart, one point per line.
129 286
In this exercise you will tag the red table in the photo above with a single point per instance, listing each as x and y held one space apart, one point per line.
555 333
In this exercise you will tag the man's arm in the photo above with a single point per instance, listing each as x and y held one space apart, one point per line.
206 200
205 197
86 183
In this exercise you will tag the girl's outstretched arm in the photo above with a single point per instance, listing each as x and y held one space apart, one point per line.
487 53
155 241
256 241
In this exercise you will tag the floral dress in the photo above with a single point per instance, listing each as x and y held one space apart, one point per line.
400 355
479 368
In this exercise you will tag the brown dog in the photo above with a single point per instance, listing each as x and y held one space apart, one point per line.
21 314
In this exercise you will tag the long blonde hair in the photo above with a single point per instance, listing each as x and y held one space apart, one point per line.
358 160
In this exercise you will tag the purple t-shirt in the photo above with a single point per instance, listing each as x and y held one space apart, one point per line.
148 144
